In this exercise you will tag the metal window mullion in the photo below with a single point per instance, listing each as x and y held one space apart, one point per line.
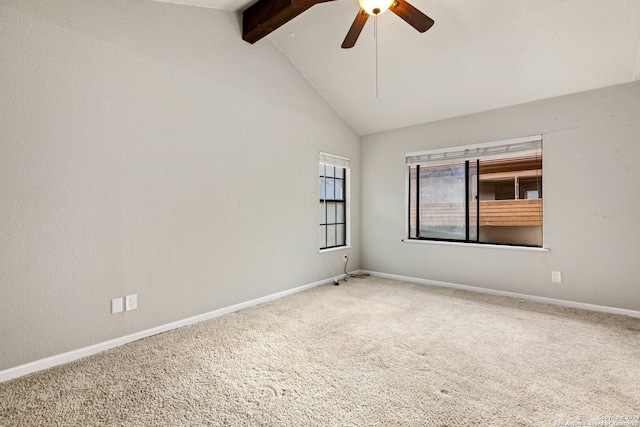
466 201
409 206
418 202
344 206
477 200
326 225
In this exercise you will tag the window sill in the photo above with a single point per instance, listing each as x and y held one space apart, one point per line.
477 245
339 248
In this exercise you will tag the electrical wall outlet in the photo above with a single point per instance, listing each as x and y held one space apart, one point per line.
131 302
556 277
344 258
116 306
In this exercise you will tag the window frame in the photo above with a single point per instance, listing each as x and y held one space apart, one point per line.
345 164
467 154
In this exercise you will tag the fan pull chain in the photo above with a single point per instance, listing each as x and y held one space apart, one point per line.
375 36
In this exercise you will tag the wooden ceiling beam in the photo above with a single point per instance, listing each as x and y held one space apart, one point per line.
265 16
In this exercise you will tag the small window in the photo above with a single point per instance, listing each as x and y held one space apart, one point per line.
333 173
489 193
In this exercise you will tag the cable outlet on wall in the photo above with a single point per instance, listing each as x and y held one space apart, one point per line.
556 277
344 258
116 306
131 302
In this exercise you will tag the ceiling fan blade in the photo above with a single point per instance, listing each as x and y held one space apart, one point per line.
355 30
411 15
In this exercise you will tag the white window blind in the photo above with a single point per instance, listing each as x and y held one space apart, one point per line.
332 159
528 144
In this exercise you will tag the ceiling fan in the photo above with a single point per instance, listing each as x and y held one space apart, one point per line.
403 9
265 16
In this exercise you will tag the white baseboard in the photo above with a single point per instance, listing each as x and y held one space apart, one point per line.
60 359
73 355
545 300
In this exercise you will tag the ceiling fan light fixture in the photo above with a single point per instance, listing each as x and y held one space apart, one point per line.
375 7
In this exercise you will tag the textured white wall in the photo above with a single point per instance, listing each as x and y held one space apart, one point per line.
591 200
147 149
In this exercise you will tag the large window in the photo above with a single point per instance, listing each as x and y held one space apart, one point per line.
333 175
486 193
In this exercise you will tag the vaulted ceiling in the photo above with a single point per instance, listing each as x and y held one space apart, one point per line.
478 56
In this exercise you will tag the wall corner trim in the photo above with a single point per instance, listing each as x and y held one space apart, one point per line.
71 356
533 298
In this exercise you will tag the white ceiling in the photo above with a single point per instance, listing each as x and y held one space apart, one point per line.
478 56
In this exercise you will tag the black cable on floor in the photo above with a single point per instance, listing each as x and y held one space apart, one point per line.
357 276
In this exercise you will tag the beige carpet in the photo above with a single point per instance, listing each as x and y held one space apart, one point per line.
370 352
